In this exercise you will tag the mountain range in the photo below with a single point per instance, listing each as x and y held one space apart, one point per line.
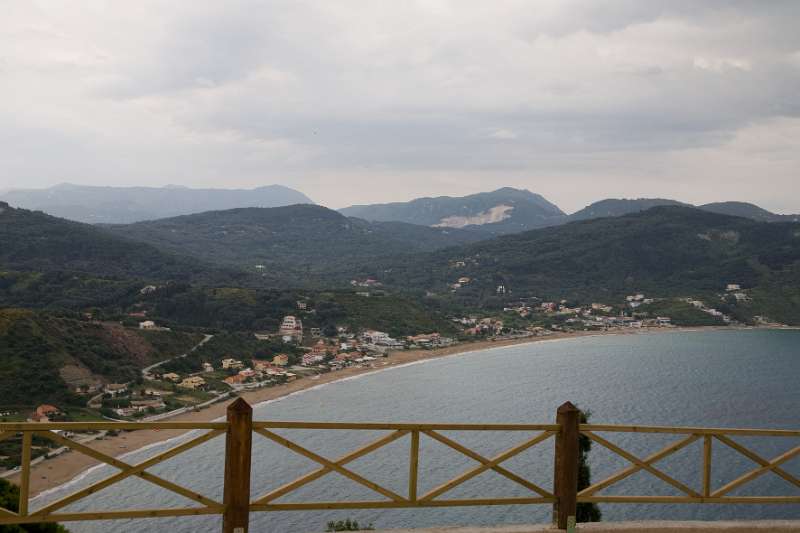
509 210
505 210
122 205
664 250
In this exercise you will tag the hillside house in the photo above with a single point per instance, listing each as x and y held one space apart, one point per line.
192 383
147 324
231 363
234 380
115 389
44 412
281 360
292 328
171 376
208 367
311 359
260 364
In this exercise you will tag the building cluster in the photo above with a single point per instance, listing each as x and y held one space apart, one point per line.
261 372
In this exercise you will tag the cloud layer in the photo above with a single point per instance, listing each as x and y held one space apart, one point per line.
363 101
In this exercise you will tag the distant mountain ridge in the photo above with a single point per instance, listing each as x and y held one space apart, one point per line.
616 207
505 210
285 239
747 210
510 210
124 205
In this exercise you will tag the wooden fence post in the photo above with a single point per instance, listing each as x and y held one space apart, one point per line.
565 483
238 444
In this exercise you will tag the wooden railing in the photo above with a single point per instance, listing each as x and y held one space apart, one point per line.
239 428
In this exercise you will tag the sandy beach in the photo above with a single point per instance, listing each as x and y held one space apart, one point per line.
56 471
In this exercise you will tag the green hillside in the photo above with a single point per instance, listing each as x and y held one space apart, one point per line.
44 356
306 238
665 251
239 309
34 241
521 210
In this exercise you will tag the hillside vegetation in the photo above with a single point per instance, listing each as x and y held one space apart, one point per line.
518 210
46 356
666 251
34 241
238 309
306 238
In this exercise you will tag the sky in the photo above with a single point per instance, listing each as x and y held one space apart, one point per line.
369 101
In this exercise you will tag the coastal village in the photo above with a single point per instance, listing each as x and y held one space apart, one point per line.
308 352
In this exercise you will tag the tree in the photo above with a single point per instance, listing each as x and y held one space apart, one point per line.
9 499
586 512
347 525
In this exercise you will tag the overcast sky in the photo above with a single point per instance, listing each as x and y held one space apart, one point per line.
370 101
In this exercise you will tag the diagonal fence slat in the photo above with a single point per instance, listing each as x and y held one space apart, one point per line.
129 470
497 468
757 472
758 459
629 471
333 466
508 454
341 461
635 460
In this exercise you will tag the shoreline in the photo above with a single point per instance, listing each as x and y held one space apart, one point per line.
52 473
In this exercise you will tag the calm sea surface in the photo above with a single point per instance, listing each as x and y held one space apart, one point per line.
715 378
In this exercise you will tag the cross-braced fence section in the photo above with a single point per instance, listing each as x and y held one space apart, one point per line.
54 432
240 430
412 433
705 492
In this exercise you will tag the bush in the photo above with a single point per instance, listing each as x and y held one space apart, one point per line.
347 525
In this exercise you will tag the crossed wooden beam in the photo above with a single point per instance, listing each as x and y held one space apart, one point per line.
412 499
647 465
126 471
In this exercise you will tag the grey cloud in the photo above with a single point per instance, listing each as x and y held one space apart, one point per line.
296 91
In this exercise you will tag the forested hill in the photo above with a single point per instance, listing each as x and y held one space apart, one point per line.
34 241
662 251
304 237
505 210
747 210
617 207
46 356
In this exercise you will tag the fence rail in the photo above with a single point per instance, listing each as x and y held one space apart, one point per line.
240 430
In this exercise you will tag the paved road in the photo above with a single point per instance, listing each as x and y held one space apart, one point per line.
146 370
